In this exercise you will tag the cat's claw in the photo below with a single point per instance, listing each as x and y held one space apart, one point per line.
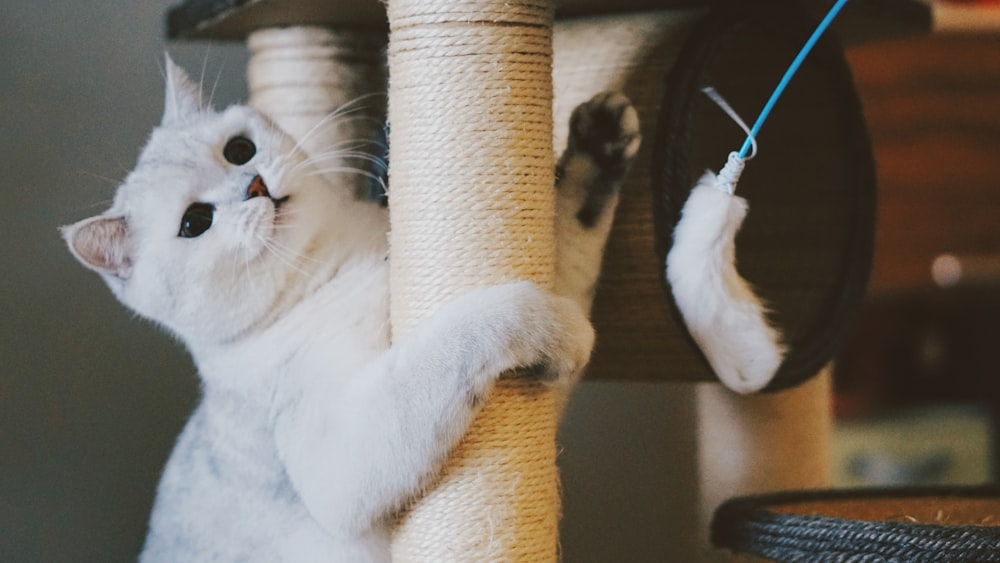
563 338
541 370
544 336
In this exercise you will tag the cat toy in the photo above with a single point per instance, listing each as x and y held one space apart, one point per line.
722 312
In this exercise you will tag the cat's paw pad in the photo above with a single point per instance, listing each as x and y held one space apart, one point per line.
607 128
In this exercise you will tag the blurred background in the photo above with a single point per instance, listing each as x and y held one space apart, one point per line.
91 398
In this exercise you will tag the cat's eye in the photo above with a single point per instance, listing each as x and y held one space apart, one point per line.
197 219
239 150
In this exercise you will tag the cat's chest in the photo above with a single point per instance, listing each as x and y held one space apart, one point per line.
328 335
343 325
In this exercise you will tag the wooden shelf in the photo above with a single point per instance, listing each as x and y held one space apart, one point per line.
862 21
233 19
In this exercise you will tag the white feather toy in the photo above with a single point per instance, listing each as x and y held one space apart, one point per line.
722 312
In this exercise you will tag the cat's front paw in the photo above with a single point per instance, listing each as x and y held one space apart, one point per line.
604 138
514 326
556 337
562 362
607 128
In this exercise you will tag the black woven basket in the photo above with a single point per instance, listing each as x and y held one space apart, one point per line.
914 525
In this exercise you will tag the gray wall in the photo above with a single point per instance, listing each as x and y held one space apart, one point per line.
91 398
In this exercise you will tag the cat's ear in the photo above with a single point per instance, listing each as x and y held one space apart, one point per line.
183 96
101 244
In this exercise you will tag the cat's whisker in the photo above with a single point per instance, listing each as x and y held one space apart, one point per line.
110 180
291 264
358 99
336 151
215 86
350 153
254 287
290 253
353 141
341 160
337 116
350 170
354 105
286 217
102 204
201 79
346 146
336 156
287 257
354 115
328 120
234 265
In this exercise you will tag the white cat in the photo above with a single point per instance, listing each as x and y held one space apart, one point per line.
312 429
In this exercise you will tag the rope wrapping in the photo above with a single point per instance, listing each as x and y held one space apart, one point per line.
472 172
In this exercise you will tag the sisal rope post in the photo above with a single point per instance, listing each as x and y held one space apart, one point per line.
301 76
472 204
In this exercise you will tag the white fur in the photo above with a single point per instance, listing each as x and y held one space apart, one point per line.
312 429
721 310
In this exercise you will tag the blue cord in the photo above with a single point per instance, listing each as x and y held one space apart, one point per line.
792 69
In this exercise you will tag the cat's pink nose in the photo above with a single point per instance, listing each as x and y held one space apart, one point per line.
257 188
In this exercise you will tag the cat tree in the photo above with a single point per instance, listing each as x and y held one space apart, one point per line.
471 106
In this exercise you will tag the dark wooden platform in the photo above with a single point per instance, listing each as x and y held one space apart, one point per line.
861 21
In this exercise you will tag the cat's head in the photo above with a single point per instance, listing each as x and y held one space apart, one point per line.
216 226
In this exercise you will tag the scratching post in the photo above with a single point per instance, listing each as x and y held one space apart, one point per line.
298 76
762 443
472 204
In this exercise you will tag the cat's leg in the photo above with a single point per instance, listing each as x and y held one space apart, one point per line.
356 456
603 140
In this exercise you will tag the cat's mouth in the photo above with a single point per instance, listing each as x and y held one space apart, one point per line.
258 188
